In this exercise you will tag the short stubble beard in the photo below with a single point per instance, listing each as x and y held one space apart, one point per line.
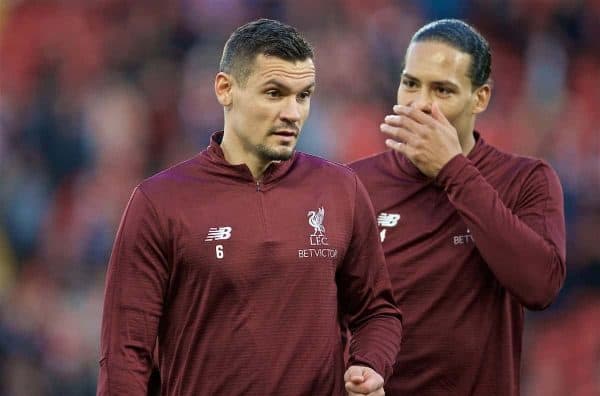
269 154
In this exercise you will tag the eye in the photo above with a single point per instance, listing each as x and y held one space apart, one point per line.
408 83
273 93
443 91
304 95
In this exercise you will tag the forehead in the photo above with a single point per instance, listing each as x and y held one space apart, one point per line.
266 68
431 60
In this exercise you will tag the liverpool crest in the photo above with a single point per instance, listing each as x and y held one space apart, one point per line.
315 219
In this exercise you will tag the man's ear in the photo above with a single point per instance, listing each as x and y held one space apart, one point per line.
223 87
482 98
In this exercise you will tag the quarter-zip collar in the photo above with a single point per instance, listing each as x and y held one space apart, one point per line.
241 173
475 155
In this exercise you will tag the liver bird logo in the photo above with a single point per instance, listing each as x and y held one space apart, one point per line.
315 219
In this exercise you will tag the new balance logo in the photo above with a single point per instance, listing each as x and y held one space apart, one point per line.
388 219
382 234
218 233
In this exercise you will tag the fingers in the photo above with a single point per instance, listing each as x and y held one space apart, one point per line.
434 119
404 121
438 115
402 148
414 113
363 381
378 392
354 374
403 138
370 387
429 141
404 128
398 133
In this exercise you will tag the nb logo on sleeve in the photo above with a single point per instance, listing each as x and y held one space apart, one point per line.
218 234
386 220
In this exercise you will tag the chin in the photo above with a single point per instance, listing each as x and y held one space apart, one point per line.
283 155
276 154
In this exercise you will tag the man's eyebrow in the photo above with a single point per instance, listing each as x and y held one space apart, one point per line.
282 86
439 82
446 83
406 75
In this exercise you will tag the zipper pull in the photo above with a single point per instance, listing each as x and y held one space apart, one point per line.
257 185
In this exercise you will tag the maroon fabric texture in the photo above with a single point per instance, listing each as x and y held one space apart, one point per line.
468 252
244 283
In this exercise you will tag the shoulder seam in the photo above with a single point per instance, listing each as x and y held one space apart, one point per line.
170 168
328 162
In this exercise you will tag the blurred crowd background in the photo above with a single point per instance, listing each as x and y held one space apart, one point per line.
96 95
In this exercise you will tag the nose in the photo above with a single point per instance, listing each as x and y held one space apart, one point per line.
422 101
290 110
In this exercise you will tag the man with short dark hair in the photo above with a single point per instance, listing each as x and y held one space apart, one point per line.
472 235
241 262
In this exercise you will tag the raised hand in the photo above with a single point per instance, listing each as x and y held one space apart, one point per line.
429 141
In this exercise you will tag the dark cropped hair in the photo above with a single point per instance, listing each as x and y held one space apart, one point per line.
266 37
465 38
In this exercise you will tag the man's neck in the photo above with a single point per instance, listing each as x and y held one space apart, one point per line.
467 142
236 155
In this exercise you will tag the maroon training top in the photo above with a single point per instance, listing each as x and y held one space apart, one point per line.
466 253
244 283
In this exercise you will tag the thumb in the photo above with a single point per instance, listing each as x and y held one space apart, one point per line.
354 374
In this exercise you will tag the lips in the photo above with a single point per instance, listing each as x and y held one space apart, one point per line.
286 133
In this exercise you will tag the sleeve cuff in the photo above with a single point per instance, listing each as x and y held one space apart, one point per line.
385 372
451 170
